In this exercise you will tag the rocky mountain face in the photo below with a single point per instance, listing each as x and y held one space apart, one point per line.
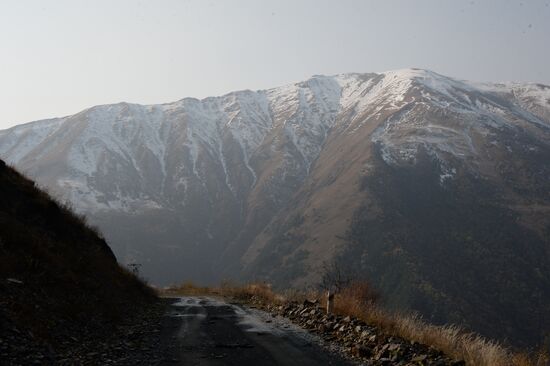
434 189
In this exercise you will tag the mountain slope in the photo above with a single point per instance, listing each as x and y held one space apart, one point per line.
436 189
58 279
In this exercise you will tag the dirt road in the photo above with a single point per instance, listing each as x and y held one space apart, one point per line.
207 331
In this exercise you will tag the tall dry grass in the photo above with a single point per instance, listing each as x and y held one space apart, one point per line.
360 301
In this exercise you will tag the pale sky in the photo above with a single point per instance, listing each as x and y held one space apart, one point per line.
58 57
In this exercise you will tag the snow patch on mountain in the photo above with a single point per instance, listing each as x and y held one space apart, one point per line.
165 147
19 141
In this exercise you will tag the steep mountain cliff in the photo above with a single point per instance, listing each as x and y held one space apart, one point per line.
433 188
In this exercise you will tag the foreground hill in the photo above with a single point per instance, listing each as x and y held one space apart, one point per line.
435 189
59 281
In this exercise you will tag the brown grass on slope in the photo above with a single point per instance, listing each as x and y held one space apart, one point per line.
451 339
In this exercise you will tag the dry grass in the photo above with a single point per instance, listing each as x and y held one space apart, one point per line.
360 301
189 289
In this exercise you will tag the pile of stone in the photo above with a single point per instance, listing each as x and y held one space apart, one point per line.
359 340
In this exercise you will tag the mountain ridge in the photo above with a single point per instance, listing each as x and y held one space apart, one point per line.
190 102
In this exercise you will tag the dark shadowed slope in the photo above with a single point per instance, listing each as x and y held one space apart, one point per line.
58 278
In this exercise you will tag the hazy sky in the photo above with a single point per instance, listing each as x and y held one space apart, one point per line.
58 57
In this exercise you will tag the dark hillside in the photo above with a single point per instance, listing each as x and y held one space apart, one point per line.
453 252
58 278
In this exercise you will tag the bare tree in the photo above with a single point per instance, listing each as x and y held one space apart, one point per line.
336 276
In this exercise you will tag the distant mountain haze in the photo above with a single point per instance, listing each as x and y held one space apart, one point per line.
434 189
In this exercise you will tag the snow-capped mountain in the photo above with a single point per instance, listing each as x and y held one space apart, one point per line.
409 176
